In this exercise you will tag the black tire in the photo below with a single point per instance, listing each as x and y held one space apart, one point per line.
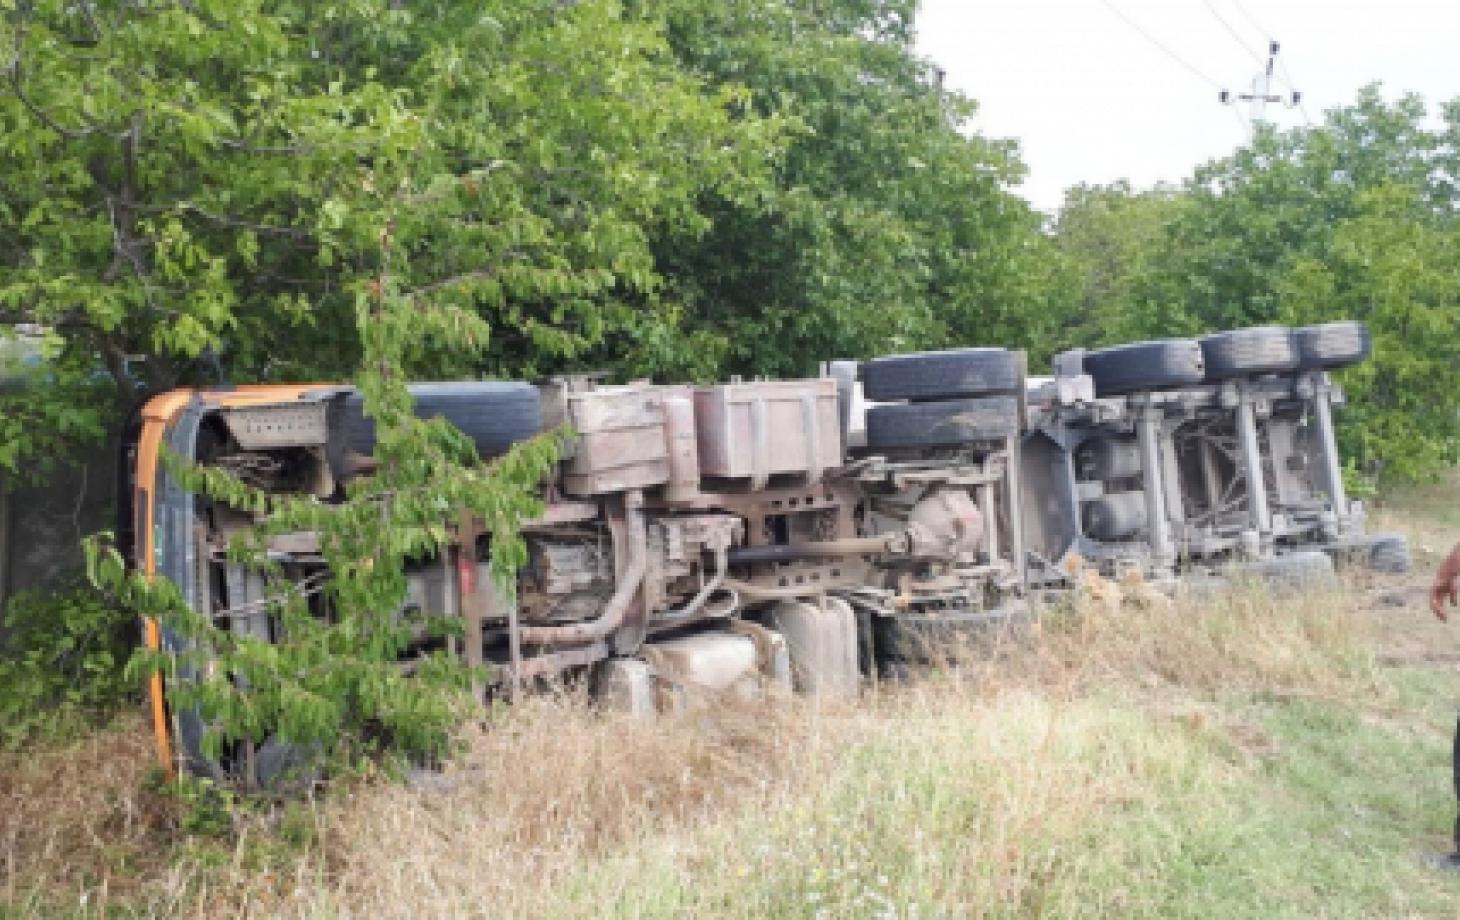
942 424
494 414
1145 366
941 374
282 766
1115 516
1390 554
909 640
277 766
1255 350
1332 345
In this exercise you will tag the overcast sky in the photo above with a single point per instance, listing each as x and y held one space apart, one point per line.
1091 99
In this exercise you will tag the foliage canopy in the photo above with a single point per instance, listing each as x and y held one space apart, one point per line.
661 187
1352 219
273 190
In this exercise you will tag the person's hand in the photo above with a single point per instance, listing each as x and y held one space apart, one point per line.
1446 587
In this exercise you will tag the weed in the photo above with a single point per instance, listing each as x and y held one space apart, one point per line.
1246 756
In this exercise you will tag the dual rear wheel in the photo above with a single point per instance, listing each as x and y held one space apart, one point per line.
951 398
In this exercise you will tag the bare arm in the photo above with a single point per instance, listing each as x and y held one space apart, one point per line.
1446 587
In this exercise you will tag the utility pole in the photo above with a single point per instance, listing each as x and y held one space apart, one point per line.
1261 93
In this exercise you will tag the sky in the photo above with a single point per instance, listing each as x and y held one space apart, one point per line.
1092 99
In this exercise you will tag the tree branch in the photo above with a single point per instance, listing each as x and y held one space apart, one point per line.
232 144
454 280
15 76
266 229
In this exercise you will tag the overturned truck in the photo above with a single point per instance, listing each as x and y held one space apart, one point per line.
705 540
695 540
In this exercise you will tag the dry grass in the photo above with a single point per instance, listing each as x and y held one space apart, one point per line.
80 817
1078 771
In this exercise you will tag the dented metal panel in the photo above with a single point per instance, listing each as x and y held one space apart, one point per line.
621 439
757 430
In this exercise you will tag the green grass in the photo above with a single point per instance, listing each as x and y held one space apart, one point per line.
1246 759
1131 813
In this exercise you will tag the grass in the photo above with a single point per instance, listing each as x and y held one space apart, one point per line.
1248 756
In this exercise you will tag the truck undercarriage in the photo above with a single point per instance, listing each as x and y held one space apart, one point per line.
724 539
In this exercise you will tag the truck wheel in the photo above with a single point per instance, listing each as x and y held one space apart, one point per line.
1332 345
1115 515
942 424
1255 350
277 765
1390 554
1145 366
281 765
941 374
1300 570
494 414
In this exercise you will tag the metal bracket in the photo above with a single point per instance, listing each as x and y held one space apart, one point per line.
289 425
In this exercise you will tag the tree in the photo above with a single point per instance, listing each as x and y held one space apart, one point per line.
193 181
304 189
889 225
1113 242
1353 219
1283 195
1399 272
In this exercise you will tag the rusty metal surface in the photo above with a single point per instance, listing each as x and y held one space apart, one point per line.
678 546
625 591
296 543
820 549
620 443
756 430
946 522
473 594
803 580
684 457
695 609
835 500
557 662
555 513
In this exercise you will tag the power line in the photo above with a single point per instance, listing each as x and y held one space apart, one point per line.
1242 120
1288 79
1250 19
1287 76
1232 32
1190 68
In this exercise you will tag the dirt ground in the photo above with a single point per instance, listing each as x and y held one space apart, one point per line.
1429 517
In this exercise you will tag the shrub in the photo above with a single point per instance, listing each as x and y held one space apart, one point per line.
61 662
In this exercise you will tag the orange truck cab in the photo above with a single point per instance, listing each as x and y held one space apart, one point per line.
157 521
